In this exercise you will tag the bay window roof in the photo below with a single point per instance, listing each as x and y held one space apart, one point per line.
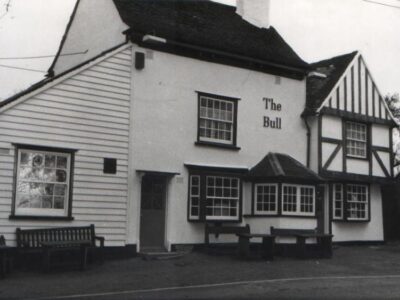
283 167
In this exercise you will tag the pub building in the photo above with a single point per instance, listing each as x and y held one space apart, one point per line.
179 113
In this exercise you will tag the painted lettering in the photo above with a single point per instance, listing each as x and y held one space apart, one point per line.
274 124
270 104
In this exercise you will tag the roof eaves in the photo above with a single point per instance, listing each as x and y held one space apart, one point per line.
46 81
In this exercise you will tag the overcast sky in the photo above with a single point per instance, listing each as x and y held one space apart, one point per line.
316 29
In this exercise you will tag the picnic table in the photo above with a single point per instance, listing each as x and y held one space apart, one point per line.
267 246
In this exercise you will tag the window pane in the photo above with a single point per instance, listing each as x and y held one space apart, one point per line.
38 171
357 201
266 198
216 120
356 137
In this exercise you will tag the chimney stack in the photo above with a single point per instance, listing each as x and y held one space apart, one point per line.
255 12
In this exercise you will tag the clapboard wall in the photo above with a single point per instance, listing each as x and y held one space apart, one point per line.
88 111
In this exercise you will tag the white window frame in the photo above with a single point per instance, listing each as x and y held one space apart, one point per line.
217 120
44 212
191 196
357 140
237 199
265 212
366 203
298 211
335 201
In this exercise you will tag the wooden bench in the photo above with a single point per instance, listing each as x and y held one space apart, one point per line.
219 229
324 241
5 258
50 240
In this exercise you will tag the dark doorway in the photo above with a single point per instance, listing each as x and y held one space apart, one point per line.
152 216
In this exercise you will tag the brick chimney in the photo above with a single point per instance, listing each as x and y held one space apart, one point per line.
255 12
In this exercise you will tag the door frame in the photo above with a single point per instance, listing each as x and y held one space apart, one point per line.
168 176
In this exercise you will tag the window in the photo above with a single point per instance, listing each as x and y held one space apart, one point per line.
217 119
217 196
298 200
356 140
42 183
352 199
266 199
337 201
357 202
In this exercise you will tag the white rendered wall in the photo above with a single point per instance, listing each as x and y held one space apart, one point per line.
164 123
363 231
96 27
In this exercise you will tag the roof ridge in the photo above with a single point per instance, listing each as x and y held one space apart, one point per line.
353 53
275 164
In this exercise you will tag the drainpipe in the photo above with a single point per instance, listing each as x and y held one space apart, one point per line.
305 119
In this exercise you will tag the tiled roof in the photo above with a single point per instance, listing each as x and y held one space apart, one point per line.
207 24
319 88
282 166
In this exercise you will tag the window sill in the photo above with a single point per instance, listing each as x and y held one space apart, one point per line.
357 158
278 216
215 221
43 218
350 221
217 145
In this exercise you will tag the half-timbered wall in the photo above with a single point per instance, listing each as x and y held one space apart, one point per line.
88 112
333 150
357 93
355 98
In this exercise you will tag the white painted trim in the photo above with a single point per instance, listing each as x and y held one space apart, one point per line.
64 77
153 39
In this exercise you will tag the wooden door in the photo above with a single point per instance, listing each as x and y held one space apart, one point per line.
152 217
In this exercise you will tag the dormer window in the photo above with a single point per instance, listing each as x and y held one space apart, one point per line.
356 140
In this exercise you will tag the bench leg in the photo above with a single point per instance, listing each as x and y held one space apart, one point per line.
268 248
301 247
84 251
46 259
325 247
244 247
3 262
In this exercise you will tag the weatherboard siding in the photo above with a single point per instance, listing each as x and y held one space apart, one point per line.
88 112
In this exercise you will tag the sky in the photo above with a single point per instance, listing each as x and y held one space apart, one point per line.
315 29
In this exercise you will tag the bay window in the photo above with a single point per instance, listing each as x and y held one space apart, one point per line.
298 200
266 199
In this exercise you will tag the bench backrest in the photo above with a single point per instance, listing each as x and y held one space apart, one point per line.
217 230
291 232
32 238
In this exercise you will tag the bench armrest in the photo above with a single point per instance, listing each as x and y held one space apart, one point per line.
100 239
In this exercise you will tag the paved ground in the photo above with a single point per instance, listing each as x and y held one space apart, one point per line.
354 273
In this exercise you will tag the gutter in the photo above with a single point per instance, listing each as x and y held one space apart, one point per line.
305 116
155 41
